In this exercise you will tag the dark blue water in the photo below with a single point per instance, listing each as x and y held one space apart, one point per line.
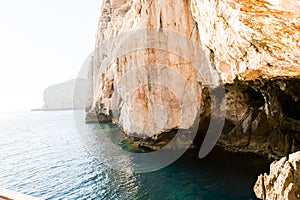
41 154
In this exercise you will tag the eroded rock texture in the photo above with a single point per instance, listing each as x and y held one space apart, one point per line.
262 117
250 39
149 90
253 46
283 181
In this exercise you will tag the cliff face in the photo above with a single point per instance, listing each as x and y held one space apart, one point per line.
252 45
145 88
255 46
250 39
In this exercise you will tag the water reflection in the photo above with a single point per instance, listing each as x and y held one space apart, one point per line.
105 142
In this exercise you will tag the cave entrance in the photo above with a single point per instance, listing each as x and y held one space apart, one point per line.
289 106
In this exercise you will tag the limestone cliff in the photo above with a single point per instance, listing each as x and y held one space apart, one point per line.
253 46
146 88
60 96
283 182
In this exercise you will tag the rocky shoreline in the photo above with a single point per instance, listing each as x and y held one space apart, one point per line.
254 124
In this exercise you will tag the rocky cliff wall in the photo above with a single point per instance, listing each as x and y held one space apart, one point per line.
253 46
146 87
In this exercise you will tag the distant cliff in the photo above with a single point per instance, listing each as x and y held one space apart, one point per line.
60 96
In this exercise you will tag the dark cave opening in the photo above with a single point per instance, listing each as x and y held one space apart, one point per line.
255 98
289 106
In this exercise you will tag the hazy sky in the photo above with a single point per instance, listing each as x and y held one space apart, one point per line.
42 42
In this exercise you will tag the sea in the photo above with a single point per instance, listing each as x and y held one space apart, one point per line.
44 155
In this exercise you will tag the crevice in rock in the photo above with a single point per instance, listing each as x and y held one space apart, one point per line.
160 22
111 91
212 58
195 27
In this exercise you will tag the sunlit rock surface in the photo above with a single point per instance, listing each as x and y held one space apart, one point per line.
250 39
283 181
149 90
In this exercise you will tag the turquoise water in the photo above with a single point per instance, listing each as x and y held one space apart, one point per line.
41 154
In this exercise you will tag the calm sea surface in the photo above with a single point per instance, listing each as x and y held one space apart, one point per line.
41 154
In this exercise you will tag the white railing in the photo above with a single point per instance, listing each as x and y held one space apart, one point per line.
6 194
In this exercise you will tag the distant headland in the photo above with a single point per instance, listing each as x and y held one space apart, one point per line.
60 96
